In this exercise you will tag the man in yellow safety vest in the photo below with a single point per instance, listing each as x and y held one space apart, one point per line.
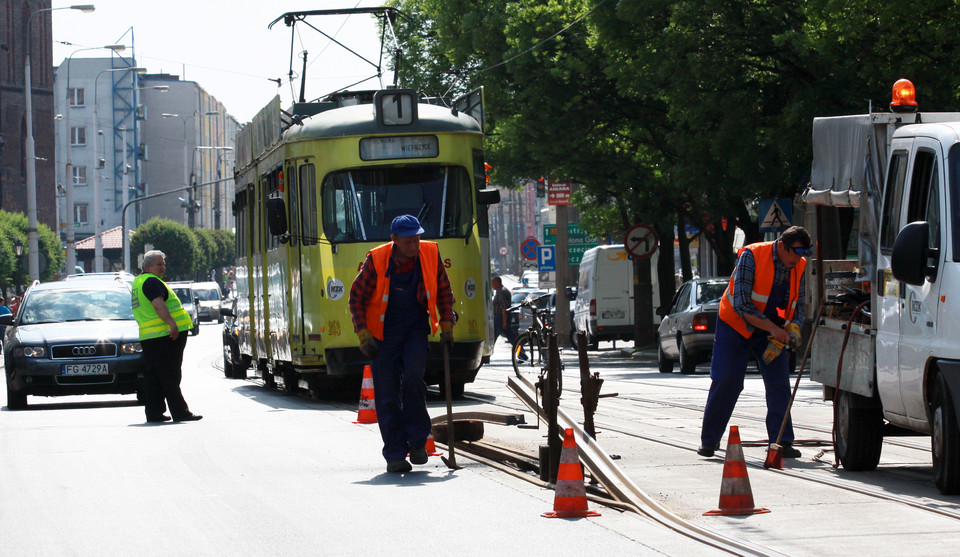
163 325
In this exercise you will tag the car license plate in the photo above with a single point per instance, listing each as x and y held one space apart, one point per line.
85 369
613 314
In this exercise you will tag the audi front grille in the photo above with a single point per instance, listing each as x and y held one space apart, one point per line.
74 351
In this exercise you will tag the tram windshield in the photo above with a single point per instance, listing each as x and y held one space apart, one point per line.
360 205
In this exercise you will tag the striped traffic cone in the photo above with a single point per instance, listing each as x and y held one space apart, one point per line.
431 446
570 500
367 414
736 498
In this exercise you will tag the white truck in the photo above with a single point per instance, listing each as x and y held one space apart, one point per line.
886 186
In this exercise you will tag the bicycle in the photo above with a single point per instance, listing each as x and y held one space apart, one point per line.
534 341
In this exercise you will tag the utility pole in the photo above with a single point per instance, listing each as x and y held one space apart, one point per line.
561 321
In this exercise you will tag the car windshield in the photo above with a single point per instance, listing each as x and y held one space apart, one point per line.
710 292
183 294
205 294
518 297
58 306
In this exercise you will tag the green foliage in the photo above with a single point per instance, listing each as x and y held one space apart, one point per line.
175 240
674 109
13 226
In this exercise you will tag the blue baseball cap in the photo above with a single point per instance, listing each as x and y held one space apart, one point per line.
406 225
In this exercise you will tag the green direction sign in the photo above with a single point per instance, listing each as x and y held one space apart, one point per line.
577 241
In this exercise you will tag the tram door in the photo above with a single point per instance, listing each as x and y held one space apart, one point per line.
294 260
259 260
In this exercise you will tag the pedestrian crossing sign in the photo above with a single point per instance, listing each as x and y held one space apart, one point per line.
775 214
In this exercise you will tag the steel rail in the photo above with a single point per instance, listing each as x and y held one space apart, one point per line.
624 489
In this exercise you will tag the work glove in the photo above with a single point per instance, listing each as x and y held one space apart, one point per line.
774 347
368 345
794 331
446 333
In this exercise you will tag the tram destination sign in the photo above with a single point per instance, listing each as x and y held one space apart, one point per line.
399 147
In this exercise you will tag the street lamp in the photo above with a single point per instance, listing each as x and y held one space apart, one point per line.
97 239
18 251
186 178
68 175
31 150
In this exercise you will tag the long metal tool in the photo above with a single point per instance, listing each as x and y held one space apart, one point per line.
451 462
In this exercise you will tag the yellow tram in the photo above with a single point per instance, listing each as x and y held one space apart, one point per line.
317 188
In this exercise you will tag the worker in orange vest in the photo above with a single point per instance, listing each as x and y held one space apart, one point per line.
760 313
402 296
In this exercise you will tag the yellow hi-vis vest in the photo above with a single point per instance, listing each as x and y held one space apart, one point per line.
151 326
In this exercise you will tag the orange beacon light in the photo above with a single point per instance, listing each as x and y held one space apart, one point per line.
904 97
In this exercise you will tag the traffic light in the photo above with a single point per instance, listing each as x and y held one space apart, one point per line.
541 187
486 172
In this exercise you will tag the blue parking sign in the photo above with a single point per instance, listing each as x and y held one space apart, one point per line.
546 258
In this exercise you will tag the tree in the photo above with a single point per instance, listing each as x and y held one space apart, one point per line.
175 240
13 226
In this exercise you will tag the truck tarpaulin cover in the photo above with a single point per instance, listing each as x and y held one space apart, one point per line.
849 153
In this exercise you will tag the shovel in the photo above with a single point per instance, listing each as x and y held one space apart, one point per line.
451 462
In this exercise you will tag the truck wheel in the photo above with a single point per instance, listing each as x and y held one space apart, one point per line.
945 440
858 433
663 362
687 364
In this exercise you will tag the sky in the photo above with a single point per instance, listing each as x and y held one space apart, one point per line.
225 46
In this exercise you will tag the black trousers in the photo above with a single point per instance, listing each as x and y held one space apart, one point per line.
162 381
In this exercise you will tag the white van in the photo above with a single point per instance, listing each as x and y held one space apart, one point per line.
604 306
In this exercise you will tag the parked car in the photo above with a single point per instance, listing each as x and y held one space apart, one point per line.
209 295
188 299
530 279
120 275
72 337
544 299
686 332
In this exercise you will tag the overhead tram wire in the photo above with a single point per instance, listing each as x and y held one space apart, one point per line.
532 48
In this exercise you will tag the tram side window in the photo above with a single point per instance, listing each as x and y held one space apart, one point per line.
294 212
360 205
308 205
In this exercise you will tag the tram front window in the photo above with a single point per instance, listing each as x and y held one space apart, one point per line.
360 205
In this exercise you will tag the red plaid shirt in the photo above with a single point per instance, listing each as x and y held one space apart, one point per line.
366 282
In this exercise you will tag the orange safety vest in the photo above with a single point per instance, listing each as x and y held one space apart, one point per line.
377 307
762 286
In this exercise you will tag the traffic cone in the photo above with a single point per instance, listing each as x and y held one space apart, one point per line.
431 446
367 414
736 498
571 496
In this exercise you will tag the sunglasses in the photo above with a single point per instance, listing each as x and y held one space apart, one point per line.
802 252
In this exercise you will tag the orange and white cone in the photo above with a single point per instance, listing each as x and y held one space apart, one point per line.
431 446
367 414
570 500
736 497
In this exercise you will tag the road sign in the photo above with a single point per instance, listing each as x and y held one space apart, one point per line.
577 241
640 241
559 194
503 250
775 214
547 258
529 248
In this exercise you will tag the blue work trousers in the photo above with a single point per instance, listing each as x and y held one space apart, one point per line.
731 353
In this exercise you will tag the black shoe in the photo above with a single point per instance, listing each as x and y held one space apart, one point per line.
188 418
159 420
419 455
398 466
789 452
708 450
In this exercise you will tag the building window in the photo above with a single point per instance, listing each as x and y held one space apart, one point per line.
75 96
79 175
78 136
80 213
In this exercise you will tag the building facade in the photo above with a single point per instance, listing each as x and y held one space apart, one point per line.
13 126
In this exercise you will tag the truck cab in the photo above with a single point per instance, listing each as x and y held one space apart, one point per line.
892 363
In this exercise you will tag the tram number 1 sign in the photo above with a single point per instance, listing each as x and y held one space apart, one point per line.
640 241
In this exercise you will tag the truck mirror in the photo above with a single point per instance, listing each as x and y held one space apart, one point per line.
276 216
488 196
909 259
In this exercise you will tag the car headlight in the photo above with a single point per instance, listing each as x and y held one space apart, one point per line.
131 348
29 351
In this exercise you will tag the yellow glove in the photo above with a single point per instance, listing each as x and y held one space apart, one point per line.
368 345
446 333
794 330
774 347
